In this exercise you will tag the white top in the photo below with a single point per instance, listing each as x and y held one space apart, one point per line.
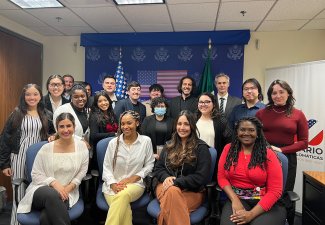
67 108
136 159
224 101
206 131
54 106
49 166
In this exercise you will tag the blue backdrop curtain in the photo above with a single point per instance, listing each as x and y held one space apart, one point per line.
149 57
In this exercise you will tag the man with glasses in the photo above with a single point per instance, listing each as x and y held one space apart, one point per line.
225 102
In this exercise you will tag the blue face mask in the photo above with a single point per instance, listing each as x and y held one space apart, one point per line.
160 111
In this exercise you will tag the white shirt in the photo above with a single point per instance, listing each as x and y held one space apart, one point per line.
48 166
55 106
136 159
224 101
206 131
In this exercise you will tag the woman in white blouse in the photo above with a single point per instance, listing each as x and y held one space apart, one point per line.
129 158
58 169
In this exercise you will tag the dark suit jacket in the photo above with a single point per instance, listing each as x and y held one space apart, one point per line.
231 103
125 105
47 102
148 128
175 106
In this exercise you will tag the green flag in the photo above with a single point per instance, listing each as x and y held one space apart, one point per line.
206 83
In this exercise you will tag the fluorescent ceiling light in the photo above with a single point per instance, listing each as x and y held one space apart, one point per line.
138 2
35 4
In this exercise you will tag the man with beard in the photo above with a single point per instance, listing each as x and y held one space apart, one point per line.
131 103
186 101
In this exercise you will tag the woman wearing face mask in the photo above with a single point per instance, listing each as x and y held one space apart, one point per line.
158 126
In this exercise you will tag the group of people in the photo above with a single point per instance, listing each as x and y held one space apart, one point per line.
169 138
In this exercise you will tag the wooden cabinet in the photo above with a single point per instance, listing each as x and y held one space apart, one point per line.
313 209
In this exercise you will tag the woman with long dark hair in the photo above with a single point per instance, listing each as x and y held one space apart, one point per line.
182 171
57 172
26 125
128 160
102 122
251 175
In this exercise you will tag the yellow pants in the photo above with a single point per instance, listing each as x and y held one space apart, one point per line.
120 212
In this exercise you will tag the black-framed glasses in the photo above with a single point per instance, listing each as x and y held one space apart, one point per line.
207 102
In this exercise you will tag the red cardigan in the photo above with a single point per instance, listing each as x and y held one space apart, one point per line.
242 177
281 130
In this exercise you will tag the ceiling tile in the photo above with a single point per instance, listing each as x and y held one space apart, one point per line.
49 17
87 3
237 25
194 13
154 14
46 31
255 11
296 9
75 30
153 28
172 2
315 24
21 17
107 28
321 15
8 5
194 26
281 25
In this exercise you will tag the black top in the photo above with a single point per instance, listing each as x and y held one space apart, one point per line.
177 104
190 176
82 117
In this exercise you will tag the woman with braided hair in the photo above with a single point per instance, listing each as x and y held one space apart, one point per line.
128 160
250 173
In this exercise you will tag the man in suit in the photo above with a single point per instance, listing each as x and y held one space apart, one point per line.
131 103
222 82
187 100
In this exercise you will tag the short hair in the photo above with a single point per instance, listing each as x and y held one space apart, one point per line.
109 77
256 84
179 86
53 77
78 86
68 75
133 84
157 101
156 87
222 75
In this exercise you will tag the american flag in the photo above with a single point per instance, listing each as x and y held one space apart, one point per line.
121 87
316 135
169 79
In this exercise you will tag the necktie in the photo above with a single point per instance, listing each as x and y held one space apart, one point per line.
221 105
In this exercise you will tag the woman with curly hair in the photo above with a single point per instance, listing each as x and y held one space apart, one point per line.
182 171
128 160
102 122
250 173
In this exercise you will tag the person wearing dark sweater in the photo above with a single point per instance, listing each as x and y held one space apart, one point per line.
182 171
158 126
187 100
102 122
251 175
285 127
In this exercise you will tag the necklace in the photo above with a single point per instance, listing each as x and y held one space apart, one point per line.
278 111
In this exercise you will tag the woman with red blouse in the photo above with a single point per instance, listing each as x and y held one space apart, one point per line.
251 175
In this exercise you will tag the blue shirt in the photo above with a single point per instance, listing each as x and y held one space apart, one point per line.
241 111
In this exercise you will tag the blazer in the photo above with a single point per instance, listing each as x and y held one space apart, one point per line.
232 101
222 133
126 104
175 106
148 129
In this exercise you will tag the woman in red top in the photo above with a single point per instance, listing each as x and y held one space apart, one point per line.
250 173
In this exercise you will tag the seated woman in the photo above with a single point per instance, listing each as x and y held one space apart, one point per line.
128 160
158 126
102 122
250 173
58 169
183 170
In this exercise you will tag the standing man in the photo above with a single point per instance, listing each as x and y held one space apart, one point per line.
155 90
131 103
186 101
109 86
225 102
68 83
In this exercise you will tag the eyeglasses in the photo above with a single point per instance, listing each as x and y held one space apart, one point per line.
204 103
249 89
56 85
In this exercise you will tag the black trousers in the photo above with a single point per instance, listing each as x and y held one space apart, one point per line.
292 171
53 210
276 215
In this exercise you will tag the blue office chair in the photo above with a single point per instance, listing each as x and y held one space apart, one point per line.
32 218
100 199
204 210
